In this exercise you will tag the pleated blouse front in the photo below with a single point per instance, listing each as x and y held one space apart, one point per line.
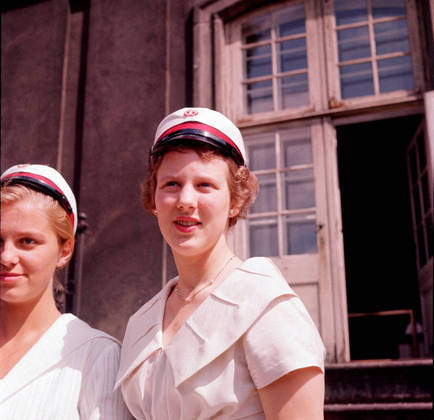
251 330
68 374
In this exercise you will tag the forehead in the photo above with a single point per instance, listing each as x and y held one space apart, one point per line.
26 211
176 160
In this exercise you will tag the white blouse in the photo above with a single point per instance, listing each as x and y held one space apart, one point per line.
68 374
250 331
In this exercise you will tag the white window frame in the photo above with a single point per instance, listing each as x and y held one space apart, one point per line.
234 92
333 79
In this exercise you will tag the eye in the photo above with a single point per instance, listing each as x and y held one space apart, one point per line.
27 241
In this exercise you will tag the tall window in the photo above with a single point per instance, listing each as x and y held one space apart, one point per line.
282 220
373 47
275 60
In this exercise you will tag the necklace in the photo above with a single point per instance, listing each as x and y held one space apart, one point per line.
193 294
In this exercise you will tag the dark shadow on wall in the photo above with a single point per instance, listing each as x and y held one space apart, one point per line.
8 5
74 271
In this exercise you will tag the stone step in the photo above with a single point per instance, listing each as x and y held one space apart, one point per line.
377 382
384 411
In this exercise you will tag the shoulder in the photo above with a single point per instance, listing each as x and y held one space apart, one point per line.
260 277
78 333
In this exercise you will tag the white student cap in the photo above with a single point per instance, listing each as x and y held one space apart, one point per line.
46 180
201 124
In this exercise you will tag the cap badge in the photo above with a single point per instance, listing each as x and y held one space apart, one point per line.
190 113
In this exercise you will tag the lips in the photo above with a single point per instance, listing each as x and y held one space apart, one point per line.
9 277
186 224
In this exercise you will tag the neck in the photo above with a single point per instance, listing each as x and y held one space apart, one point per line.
19 319
198 270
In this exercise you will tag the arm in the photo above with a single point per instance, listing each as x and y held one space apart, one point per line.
97 400
296 395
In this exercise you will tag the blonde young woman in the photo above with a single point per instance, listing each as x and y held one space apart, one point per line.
225 339
52 366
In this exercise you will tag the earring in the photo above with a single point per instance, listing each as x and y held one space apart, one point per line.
155 211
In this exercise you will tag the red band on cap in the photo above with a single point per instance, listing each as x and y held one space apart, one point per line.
46 181
198 125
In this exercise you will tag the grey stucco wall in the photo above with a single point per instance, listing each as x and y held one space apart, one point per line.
84 85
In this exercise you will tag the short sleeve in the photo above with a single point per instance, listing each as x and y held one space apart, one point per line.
98 400
283 338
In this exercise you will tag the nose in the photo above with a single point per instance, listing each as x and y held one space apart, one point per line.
8 255
186 197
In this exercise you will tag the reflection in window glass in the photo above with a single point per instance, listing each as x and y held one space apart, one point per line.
263 237
356 80
259 96
298 190
258 61
292 55
353 43
262 155
296 152
266 199
291 21
395 74
282 220
294 91
282 33
256 30
392 37
350 11
301 235
387 8
374 55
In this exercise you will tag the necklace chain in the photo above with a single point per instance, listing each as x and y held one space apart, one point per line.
194 293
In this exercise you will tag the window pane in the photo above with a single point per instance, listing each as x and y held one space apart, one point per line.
294 91
261 155
350 11
391 37
298 190
259 96
258 61
291 21
292 55
356 80
387 8
266 199
395 74
263 237
301 235
296 148
256 30
353 43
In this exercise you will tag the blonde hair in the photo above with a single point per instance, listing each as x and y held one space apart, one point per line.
60 222
58 217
